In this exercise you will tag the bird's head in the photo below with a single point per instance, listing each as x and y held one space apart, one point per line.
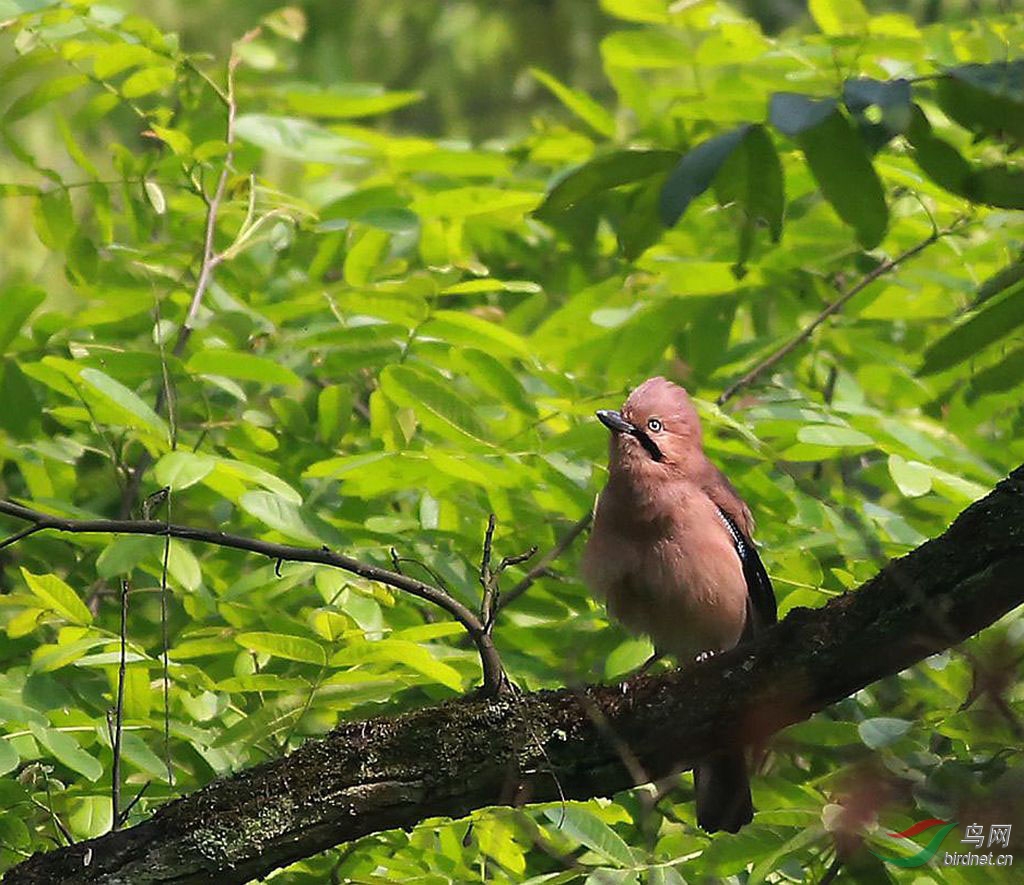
656 431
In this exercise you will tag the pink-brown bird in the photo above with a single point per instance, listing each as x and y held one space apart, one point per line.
671 553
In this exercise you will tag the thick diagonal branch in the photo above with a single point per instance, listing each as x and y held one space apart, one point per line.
453 758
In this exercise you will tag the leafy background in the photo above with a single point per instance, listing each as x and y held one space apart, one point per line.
423 290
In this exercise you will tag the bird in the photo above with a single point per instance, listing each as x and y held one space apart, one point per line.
671 553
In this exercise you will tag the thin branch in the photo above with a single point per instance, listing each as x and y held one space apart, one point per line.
115 742
782 352
541 566
135 800
494 675
17 536
165 634
487 577
208 264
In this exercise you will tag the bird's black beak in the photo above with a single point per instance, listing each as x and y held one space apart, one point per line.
615 422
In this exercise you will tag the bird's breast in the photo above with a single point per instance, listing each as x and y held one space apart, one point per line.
678 580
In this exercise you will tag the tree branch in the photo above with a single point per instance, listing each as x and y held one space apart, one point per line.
786 349
493 673
450 759
542 564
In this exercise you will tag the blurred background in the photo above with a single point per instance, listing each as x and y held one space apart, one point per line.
472 57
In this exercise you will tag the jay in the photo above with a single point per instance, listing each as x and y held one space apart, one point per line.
672 556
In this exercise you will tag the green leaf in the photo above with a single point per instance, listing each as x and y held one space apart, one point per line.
752 179
889 100
18 302
459 327
643 50
261 682
601 174
793 113
90 816
822 732
434 402
57 597
9 758
278 513
298 139
695 172
47 91
1004 375
181 468
839 18
398 651
838 161
127 401
66 750
581 104
580 824
653 12
333 413
833 435
491 374
984 327
1000 281
938 159
365 255
241 366
345 101
54 219
465 202
988 99
283 645
911 477
882 731
148 81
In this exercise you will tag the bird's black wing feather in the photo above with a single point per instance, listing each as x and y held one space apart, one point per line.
761 606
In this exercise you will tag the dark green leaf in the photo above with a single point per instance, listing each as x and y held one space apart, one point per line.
1004 375
984 327
838 162
880 108
695 172
601 174
752 179
18 303
987 99
793 113
434 402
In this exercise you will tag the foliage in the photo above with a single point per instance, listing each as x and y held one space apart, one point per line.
396 336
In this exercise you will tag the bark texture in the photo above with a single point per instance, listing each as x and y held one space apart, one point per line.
450 759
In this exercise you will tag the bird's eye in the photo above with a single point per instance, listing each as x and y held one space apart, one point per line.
654 425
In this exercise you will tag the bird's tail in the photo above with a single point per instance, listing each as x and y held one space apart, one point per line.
723 793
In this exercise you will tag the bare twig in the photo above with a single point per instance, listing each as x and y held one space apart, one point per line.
211 258
541 566
494 674
135 799
881 270
490 577
165 639
487 577
115 742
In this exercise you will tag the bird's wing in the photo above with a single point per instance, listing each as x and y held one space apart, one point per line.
761 607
